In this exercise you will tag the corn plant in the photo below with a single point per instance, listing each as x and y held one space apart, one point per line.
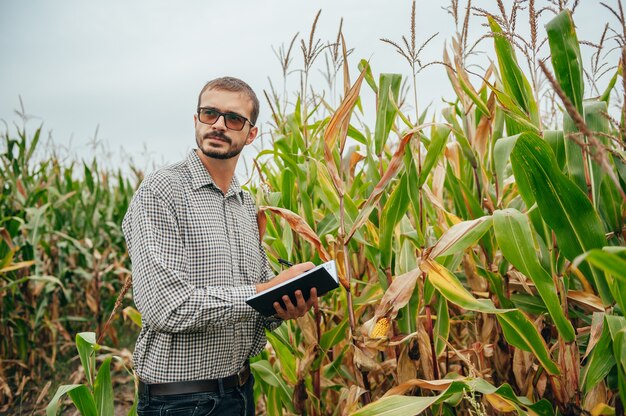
481 257
62 260
96 397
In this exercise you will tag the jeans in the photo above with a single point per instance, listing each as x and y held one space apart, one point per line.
237 401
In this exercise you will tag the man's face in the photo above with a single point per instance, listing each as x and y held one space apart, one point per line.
218 141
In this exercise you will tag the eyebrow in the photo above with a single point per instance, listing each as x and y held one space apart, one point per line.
224 112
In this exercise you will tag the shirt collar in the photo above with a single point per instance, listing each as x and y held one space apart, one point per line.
201 177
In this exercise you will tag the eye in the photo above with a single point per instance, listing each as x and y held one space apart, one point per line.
235 117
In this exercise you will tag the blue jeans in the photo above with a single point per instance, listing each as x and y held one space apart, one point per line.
237 401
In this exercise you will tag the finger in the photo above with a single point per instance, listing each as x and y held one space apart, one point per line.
303 267
291 310
280 311
313 302
301 306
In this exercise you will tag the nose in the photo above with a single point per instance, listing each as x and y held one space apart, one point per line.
220 123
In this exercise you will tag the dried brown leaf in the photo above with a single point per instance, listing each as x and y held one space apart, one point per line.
597 322
407 368
398 294
394 166
597 396
299 225
569 363
364 361
499 403
436 385
307 326
586 301
485 126
522 365
261 221
423 342
44 392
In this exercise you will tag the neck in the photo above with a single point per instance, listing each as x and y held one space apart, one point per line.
221 170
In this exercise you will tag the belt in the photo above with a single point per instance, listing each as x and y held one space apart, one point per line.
196 386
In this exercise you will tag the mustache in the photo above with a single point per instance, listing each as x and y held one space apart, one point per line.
218 134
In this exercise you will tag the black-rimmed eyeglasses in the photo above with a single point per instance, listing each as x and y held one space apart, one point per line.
232 121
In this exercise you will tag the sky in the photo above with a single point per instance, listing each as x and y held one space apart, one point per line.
129 72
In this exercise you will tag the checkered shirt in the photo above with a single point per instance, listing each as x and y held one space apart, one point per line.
196 256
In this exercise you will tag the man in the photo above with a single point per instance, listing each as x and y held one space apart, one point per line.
194 244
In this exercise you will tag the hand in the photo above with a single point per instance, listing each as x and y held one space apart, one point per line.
298 310
287 274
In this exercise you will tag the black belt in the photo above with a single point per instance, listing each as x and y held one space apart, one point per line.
196 386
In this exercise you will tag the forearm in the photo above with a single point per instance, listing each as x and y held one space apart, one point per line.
196 309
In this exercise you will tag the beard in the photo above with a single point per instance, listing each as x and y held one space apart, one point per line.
222 154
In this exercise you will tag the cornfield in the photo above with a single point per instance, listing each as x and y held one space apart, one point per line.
481 250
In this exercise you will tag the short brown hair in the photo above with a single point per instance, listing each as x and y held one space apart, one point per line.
234 85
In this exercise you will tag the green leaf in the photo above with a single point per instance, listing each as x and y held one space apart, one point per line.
515 239
562 205
460 237
442 325
502 152
566 59
53 407
514 81
438 142
598 123
607 92
286 356
83 400
394 209
601 360
133 314
385 111
451 288
619 351
103 389
396 406
89 179
522 333
369 78
610 262
86 346
332 337
264 371
556 140
288 189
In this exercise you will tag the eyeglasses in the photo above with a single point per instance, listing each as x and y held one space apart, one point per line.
231 120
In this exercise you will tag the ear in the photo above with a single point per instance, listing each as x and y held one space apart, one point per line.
195 120
252 135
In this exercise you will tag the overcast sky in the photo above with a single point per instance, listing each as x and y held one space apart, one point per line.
134 68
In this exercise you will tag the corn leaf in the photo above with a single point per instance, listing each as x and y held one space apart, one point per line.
566 59
396 406
103 389
562 205
460 237
522 333
442 325
86 346
514 81
393 210
515 239
439 138
385 111
451 288
264 371
601 360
